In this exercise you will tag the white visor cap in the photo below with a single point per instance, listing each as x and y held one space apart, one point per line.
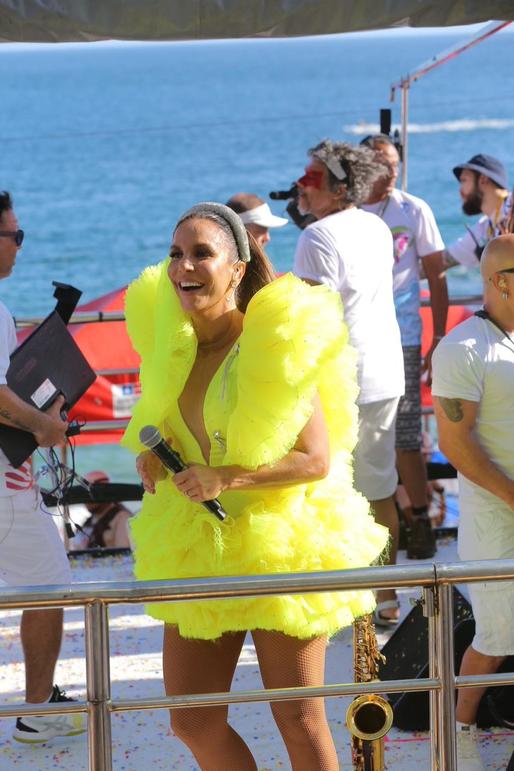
262 215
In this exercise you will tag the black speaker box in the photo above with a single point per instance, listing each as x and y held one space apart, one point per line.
406 654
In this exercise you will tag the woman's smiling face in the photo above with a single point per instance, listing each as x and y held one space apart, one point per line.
201 269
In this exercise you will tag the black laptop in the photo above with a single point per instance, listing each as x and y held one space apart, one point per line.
46 364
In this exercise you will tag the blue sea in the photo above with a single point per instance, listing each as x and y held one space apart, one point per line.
105 144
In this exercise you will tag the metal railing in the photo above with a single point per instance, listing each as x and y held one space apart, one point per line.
436 580
96 317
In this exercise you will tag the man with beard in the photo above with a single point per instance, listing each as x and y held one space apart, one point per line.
351 251
483 189
417 245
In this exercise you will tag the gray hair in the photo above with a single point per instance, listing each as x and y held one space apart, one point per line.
227 219
357 167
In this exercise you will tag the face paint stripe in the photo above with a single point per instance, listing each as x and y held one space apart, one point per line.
311 179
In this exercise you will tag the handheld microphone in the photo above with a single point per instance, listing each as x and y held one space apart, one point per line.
284 195
151 437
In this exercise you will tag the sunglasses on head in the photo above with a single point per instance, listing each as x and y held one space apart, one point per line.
17 235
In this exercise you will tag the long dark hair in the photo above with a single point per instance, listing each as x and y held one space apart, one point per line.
259 272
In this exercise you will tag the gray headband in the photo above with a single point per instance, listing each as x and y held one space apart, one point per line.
231 218
336 167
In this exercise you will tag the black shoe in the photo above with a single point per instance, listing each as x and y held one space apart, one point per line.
403 528
41 728
421 539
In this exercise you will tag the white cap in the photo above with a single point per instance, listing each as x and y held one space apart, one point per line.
262 215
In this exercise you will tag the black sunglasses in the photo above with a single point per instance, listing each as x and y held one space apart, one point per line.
18 235
506 270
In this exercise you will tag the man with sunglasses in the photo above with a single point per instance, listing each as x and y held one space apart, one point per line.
351 251
31 550
473 390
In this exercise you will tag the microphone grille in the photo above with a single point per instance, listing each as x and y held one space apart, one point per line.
150 436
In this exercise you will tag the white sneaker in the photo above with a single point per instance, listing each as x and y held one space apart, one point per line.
468 756
39 729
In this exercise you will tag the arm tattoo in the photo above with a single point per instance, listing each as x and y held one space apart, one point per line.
448 260
11 420
452 408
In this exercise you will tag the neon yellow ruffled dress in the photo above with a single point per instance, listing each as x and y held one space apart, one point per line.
293 344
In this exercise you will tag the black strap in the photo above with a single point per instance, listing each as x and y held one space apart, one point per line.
483 314
98 528
479 248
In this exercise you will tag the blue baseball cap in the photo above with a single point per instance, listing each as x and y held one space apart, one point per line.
486 165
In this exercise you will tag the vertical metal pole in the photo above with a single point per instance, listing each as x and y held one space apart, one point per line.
405 131
430 608
448 753
98 687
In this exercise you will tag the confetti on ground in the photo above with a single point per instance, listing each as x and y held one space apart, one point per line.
143 739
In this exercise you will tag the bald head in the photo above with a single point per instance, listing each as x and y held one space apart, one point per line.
498 255
497 268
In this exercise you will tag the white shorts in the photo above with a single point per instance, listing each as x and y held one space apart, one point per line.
493 609
31 549
375 472
489 534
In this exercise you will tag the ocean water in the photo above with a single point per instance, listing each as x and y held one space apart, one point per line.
104 145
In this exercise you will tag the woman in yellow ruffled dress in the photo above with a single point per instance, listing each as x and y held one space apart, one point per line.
252 380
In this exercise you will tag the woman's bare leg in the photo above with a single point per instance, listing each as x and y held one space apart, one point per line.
202 666
285 662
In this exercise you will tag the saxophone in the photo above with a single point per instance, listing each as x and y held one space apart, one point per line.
369 717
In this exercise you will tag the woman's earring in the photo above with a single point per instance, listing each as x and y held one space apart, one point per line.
505 296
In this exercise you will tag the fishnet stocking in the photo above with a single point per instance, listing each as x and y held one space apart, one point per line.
200 666
286 662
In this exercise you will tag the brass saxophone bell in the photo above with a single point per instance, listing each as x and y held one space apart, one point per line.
369 717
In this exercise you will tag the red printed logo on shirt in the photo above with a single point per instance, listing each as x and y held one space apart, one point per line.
19 478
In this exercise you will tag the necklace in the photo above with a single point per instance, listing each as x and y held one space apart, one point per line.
385 204
484 314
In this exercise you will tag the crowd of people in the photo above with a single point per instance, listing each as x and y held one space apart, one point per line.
296 402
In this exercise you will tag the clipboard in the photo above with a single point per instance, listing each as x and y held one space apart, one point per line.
46 364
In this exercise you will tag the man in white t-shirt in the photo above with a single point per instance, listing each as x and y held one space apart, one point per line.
256 215
351 251
31 551
417 243
483 190
473 390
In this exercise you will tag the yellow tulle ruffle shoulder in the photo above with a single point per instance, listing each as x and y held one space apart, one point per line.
294 344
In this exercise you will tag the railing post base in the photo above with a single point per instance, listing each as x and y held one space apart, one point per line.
98 686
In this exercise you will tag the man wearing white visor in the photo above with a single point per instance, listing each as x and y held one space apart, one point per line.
256 215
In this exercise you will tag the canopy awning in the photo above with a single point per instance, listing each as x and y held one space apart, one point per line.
54 21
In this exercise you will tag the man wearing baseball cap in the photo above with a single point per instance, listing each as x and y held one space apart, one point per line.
256 215
483 189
